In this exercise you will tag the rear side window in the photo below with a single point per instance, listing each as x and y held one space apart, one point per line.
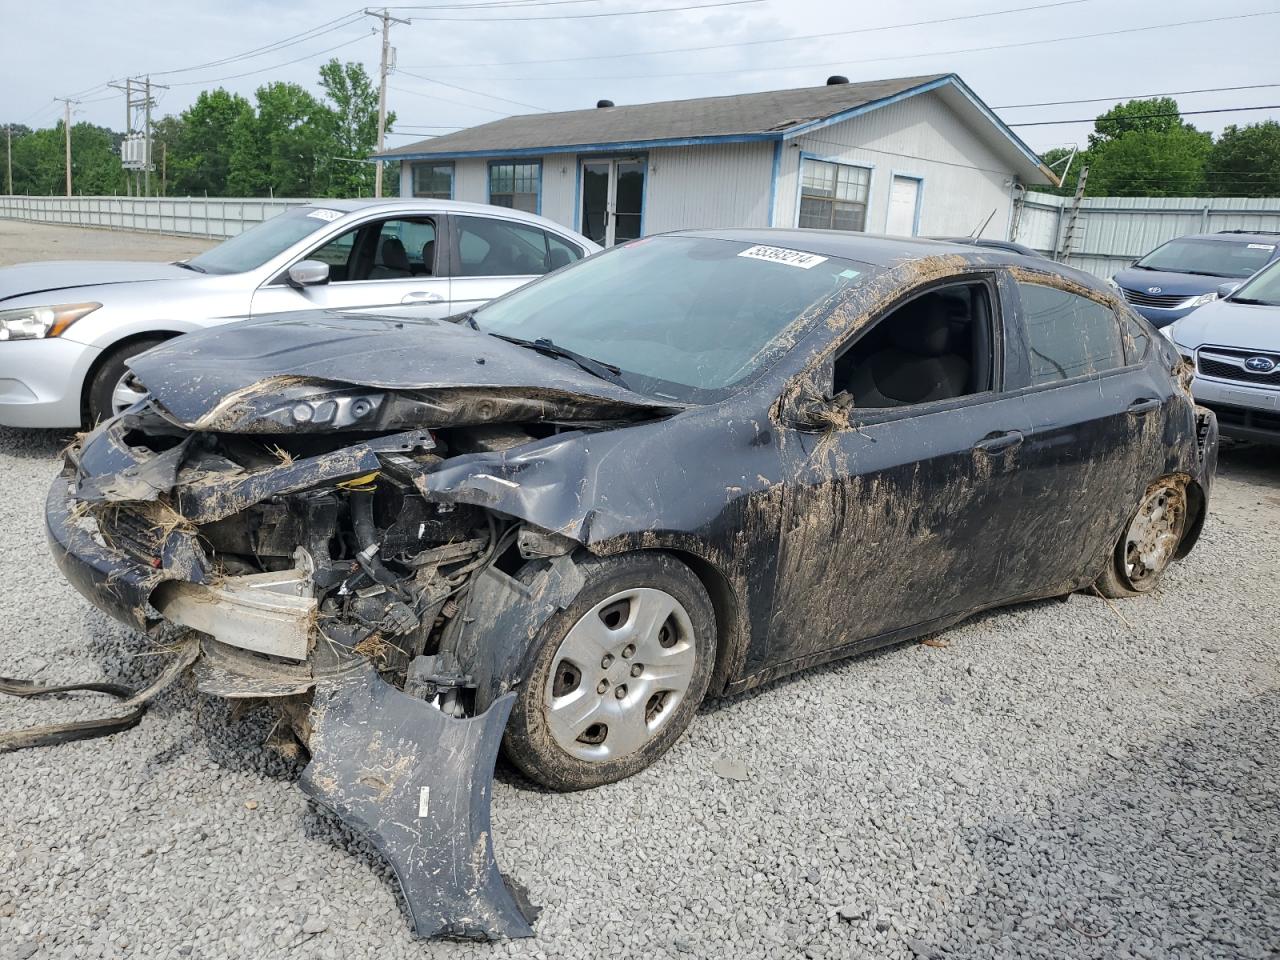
499 248
1069 336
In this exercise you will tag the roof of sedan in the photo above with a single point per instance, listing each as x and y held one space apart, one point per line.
885 251
867 247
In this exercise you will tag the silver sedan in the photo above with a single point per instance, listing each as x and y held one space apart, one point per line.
70 327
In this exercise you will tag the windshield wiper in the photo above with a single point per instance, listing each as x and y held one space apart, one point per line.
1252 300
597 368
189 266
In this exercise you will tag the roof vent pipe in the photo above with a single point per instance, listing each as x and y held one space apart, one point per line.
836 80
603 104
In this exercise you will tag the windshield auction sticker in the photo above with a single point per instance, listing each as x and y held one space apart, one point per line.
792 258
328 215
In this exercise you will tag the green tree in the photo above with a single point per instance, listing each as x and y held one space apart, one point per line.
1245 162
352 132
39 161
198 143
1143 148
276 151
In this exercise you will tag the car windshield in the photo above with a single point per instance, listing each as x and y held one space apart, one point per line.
683 318
258 244
1216 258
1263 289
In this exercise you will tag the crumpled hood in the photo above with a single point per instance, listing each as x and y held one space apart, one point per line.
192 375
1247 326
1170 284
28 278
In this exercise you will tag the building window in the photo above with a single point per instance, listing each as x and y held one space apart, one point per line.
515 185
434 180
833 196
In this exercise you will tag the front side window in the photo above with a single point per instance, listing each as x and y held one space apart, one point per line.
433 180
937 346
515 185
1068 335
500 248
833 196
683 318
388 250
1213 258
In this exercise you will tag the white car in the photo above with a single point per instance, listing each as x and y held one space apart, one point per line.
68 327
1234 344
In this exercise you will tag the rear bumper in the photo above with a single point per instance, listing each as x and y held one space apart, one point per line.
41 382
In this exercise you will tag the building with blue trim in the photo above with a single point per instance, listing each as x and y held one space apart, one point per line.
910 156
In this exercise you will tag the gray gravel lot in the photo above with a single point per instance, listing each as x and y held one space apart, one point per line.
1061 779
1056 782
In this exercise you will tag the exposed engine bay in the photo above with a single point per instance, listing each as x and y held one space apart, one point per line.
317 570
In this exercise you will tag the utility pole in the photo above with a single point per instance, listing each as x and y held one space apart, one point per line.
146 129
66 128
8 156
388 63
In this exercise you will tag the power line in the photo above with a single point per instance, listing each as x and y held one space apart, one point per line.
454 86
456 103
329 26
277 66
752 43
1141 116
1140 96
591 16
905 56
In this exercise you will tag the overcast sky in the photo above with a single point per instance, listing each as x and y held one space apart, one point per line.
56 49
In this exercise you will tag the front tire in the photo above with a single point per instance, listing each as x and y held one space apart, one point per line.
110 390
1149 542
617 676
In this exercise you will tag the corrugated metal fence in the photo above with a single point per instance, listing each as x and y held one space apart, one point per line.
1112 232
186 216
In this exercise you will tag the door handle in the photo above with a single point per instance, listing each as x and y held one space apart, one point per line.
995 442
1144 405
422 296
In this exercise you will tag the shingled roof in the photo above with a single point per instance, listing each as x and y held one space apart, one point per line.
772 115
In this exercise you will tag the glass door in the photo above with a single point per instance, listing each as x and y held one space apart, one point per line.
613 199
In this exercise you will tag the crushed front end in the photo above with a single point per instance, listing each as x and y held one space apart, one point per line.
321 575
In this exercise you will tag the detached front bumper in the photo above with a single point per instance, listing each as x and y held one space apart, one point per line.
41 382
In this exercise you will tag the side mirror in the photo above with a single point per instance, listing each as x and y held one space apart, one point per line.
1227 289
308 273
806 408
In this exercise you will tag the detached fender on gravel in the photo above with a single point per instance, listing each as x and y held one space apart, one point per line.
417 783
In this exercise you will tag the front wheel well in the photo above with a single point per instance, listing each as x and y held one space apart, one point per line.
730 638
110 350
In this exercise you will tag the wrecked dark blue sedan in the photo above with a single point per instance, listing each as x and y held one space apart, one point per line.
679 468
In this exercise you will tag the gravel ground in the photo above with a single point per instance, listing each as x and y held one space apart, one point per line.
21 242
1059 780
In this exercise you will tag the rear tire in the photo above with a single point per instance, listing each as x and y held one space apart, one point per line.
1149 541
110 377
617 676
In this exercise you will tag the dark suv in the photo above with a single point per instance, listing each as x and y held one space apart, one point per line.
1178 276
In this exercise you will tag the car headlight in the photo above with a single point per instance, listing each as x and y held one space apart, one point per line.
1204 298
1111 282
35 323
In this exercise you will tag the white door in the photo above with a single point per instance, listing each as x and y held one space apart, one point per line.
904 203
